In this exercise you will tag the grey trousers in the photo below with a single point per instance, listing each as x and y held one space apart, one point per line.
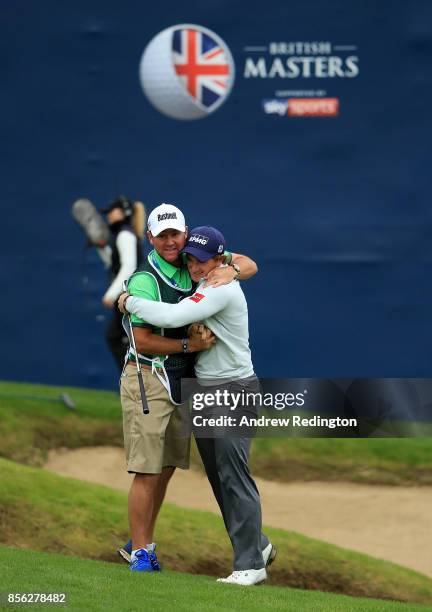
226 465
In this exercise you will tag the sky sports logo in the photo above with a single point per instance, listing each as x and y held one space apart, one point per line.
302 107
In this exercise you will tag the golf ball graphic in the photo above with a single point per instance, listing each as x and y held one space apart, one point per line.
186 72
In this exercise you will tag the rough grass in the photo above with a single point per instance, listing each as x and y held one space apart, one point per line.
29 428
390 461
45 512
93 585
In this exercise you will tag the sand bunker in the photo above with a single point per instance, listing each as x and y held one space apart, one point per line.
391 523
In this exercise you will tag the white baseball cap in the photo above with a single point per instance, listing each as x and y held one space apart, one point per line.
166 216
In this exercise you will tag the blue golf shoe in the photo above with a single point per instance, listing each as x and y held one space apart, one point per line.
141 562
145 559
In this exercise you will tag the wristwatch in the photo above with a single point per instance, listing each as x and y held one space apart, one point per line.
236 268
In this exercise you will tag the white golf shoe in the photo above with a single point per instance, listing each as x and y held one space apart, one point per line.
245 577
269 553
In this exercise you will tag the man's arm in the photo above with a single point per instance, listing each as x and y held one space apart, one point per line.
150 344
204 303
147 341
224 275
248 267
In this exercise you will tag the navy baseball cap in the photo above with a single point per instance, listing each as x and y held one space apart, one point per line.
204 243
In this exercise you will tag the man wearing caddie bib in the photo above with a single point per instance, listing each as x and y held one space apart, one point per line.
224 311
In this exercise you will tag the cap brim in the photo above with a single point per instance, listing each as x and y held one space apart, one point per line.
202 256
168 224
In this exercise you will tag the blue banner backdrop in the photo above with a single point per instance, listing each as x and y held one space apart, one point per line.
331 198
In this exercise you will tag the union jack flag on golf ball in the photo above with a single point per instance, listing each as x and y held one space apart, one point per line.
187 72
202 65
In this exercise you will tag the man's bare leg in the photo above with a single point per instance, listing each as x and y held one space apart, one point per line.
141 505
146 495
166 475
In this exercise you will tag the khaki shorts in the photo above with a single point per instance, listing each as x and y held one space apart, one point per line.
155 440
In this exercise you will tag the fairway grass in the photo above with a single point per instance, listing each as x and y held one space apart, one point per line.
45 512
95 585
29 428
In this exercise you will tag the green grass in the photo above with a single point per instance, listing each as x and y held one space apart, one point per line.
94 585
391 461
45 512
30 428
